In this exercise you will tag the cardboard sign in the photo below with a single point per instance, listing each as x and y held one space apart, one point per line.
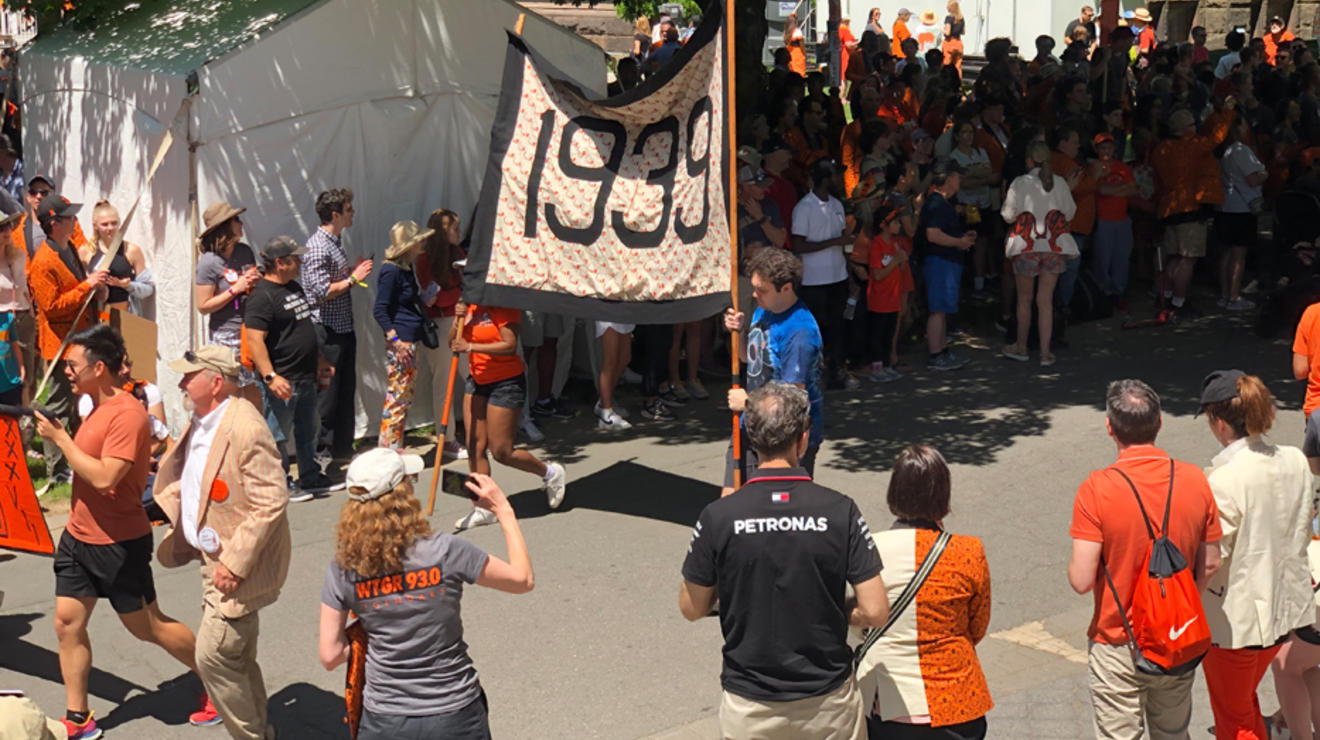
140 340
22 525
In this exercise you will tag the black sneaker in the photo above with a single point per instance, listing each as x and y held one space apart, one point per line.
322 486
552 408
657 410
669 397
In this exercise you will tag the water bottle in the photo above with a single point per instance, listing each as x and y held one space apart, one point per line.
850 310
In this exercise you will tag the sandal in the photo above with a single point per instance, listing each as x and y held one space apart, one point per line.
1046 360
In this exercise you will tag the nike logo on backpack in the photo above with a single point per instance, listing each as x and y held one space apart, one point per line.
1174 634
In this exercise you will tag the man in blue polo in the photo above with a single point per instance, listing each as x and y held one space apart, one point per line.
779 553
944 246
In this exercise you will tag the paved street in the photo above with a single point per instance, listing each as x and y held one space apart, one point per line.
599 649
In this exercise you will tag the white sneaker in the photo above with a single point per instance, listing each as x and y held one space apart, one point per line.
1240 304
455 450
298 495
478 517
622 412
612 421
630 377
554 487
531 431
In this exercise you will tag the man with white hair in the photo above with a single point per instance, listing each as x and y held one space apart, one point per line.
223 488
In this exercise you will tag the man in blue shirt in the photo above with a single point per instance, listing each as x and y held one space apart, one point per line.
783 343
945 246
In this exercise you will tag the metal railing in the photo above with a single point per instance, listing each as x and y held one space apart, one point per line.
16 28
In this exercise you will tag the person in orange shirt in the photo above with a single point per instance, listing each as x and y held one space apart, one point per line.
1278 35
809 139
900 32
847 43
1306 366
1067 144
493 401
795 42
60 286
1188 185
866 101
888 277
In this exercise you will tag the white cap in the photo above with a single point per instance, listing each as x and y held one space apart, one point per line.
378 471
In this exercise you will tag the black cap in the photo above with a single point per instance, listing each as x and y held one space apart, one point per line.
1221 385
41 178
281 246
54 205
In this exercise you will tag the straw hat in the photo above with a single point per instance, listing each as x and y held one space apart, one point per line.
403 237
1141 14
928 17
216 214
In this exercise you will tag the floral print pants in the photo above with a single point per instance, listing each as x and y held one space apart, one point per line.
401 372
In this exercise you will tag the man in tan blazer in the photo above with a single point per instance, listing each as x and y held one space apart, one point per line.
223 488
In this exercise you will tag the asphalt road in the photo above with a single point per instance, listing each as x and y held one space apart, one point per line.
599 649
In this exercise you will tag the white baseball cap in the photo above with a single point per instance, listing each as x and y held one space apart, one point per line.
378 471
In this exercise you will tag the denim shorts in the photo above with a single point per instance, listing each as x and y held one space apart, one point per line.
509 393
943 278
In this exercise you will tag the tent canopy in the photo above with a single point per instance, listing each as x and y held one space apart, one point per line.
392 100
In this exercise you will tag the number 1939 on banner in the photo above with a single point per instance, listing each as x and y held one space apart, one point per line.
677 188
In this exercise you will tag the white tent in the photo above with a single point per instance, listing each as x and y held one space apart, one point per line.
393 99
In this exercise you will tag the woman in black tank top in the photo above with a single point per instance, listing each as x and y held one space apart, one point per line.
129 276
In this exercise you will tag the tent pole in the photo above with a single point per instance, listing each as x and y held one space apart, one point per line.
192 234
731 167
443 421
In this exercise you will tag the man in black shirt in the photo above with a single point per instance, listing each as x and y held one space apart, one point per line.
779 552
282 337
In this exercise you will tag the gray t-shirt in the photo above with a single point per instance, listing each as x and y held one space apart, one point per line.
212 269
417 662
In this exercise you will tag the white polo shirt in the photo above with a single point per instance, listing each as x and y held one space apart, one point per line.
819 220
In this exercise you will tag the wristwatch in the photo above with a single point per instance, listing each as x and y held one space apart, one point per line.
269 378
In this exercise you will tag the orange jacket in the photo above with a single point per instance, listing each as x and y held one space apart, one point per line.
20 233
57 295
987 141
1272 44
1187 171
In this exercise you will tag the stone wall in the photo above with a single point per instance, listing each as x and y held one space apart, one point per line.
1177 17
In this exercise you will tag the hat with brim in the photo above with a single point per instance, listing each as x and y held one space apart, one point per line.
1221 385
281 247
216 214
215 357
928 16
404 236
10 220
1143 15
54 205
376 472
1104 137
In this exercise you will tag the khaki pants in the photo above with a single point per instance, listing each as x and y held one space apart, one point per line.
227 661
1127 702
838 715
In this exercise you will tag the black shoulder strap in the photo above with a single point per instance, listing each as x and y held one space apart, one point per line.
908 595
1144 516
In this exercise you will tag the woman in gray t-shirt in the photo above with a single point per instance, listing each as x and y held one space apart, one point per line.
405 583
226 272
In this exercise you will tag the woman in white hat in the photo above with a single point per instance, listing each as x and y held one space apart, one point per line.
405 583
398 311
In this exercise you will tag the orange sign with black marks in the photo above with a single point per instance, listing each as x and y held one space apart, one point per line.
22 525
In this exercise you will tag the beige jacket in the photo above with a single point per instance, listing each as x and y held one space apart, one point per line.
1263 588
244 501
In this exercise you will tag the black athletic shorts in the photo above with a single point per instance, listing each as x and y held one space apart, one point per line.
120 572
510 393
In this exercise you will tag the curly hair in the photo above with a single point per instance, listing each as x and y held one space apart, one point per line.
374 536
439 252
220 239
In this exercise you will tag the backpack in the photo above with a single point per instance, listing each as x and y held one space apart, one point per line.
1166 622
1089 302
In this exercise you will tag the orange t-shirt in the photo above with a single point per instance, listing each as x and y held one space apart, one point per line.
120 429
1307 344
1105 511
1083 221
483 327
896 40
886 295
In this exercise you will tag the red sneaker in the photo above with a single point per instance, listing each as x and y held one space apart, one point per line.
206 716
85 731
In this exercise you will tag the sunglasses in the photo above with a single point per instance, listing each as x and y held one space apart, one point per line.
39 193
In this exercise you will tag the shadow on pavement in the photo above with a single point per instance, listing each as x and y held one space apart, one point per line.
36 661
301 710
169 703
627 488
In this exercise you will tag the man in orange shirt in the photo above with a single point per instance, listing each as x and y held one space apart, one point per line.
1306 365
1108 527
901 32
60 286
1188 186
1278 36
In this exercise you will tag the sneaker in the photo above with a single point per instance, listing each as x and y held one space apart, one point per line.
323 458
607 419
945 361
206 716
1011 353
555 484
298 495
630 376
1241 304
884 375
1251 288
85 731
1001 324
619 410
670 397
1221 302
478 517
658 410
697 390
532 432
454 450
322 485
552 408
851 382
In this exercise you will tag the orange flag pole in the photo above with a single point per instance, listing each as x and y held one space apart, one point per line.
735 361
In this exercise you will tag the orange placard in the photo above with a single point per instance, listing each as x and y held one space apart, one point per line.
22 525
